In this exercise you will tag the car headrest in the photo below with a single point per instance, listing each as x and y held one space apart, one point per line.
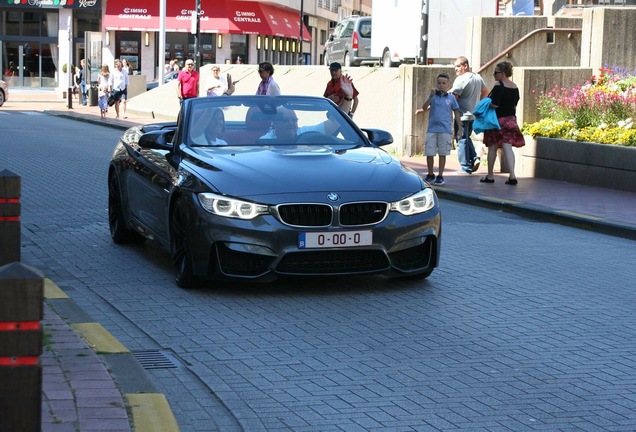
256 119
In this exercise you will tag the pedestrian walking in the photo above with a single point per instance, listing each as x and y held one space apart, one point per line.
104 84
120 82
468 88
82 82
188 82
267 86
505 96
439 135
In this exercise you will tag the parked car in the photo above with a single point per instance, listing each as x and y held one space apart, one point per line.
256 205
167 78
4 92
350 43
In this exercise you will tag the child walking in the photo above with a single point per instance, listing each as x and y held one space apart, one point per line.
105 85
439 135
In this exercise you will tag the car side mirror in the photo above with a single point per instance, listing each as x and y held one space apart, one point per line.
158 140
379 137
331 38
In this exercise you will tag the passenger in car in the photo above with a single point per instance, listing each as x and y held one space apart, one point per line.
208 134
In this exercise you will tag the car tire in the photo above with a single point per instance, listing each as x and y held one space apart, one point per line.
1 98
119 232
386 59
182 266
347 60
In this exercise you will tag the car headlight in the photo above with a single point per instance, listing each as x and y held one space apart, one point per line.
228 207
420 202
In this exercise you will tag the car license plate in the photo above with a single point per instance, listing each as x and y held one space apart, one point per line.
335 239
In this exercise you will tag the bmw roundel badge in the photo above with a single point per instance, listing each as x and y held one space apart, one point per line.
333 196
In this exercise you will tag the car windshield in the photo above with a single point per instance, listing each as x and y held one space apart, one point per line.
268 121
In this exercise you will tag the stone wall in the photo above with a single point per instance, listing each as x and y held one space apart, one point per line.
590 164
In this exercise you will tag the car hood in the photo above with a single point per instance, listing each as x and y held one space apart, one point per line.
238 171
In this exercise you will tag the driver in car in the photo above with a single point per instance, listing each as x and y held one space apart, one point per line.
285 124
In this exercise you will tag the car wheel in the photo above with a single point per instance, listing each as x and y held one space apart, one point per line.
118 230
386 59
1 98
179 248
347 60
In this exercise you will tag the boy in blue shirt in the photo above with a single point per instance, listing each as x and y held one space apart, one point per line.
439 135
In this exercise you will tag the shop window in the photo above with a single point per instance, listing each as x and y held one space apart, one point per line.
86 20
128 48
12 24
238 47
33 23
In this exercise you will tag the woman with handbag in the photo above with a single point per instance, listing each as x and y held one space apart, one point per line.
505 96
105 84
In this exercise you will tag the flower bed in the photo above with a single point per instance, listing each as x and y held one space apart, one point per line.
602 111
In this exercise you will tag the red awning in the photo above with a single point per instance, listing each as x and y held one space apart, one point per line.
245 17
132 15
285 22
217 16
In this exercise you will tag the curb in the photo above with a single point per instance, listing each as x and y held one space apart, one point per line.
148 410
541 213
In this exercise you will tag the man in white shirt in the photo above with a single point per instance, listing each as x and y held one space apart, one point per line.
120 81
216 85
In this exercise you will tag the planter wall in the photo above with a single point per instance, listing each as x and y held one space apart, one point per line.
592 164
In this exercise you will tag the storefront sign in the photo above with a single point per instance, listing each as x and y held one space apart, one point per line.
53 4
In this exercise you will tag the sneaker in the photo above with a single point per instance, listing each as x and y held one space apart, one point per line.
430 177
476 163
439 181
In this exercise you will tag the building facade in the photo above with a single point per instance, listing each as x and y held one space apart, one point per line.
38 38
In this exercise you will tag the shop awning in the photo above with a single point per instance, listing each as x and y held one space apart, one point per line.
258 18
217 16
138 15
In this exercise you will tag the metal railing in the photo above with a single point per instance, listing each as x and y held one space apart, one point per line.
506 52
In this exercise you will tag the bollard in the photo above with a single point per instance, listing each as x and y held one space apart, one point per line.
21 312
10 186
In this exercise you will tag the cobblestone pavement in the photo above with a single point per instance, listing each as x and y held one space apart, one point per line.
548 347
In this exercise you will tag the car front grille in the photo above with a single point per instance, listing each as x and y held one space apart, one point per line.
333 262
321 215
306 215
362 213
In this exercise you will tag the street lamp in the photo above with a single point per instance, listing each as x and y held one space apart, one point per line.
69 92
300 52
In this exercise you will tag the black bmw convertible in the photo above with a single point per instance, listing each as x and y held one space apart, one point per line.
260 187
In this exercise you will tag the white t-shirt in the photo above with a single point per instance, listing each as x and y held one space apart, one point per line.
220 85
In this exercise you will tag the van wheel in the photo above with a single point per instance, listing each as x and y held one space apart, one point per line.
386 59
347 60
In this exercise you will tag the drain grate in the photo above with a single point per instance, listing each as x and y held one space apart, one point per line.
155 360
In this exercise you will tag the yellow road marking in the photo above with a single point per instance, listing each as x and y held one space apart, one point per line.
99 338
152 413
